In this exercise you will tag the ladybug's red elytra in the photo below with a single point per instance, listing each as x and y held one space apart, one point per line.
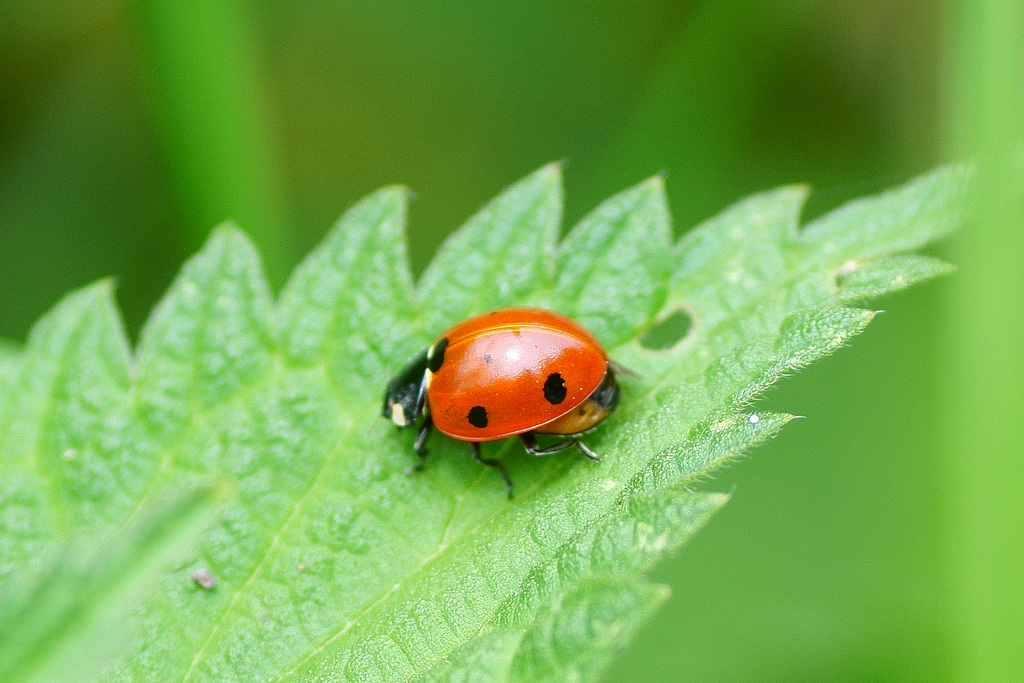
511 372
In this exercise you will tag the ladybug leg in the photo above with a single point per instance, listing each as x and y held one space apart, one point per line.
421 446
587 452
621 370
496 464
530 443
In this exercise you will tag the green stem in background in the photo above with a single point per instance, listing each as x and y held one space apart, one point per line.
984 366
690 118
215 122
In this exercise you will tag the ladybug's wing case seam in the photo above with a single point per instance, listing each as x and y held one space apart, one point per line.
497 381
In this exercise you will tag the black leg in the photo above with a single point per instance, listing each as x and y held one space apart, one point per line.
587 452
496 464
530 442
421 446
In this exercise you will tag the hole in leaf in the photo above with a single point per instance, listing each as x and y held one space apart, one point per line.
668 331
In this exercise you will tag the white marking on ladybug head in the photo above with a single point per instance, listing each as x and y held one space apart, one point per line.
398 414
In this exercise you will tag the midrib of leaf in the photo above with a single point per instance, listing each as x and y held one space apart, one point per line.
446 546
300 504
683 390
240 396
773 373
383 597
600 552
442 548
467 537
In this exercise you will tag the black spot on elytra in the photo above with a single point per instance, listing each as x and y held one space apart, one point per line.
436 359
554 388
478 416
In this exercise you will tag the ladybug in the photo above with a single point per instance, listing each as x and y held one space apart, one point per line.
512 372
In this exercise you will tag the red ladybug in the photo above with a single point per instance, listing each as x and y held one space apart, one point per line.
517 371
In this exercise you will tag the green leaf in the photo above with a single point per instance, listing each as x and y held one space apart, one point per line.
612 267
540 633
501 256
9 352
10 356
70 620
863 281
330 562
349 305
208 339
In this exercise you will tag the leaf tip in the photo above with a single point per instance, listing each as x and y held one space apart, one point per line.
652 192
108 285
396 193
660 593
549 174
657 181
718 499
228 237
388 204
225 230
101 293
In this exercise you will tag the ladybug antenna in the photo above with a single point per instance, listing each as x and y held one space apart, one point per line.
622 370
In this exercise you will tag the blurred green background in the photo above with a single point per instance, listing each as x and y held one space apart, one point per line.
128 129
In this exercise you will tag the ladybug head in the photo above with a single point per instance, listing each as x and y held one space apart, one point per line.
406 392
